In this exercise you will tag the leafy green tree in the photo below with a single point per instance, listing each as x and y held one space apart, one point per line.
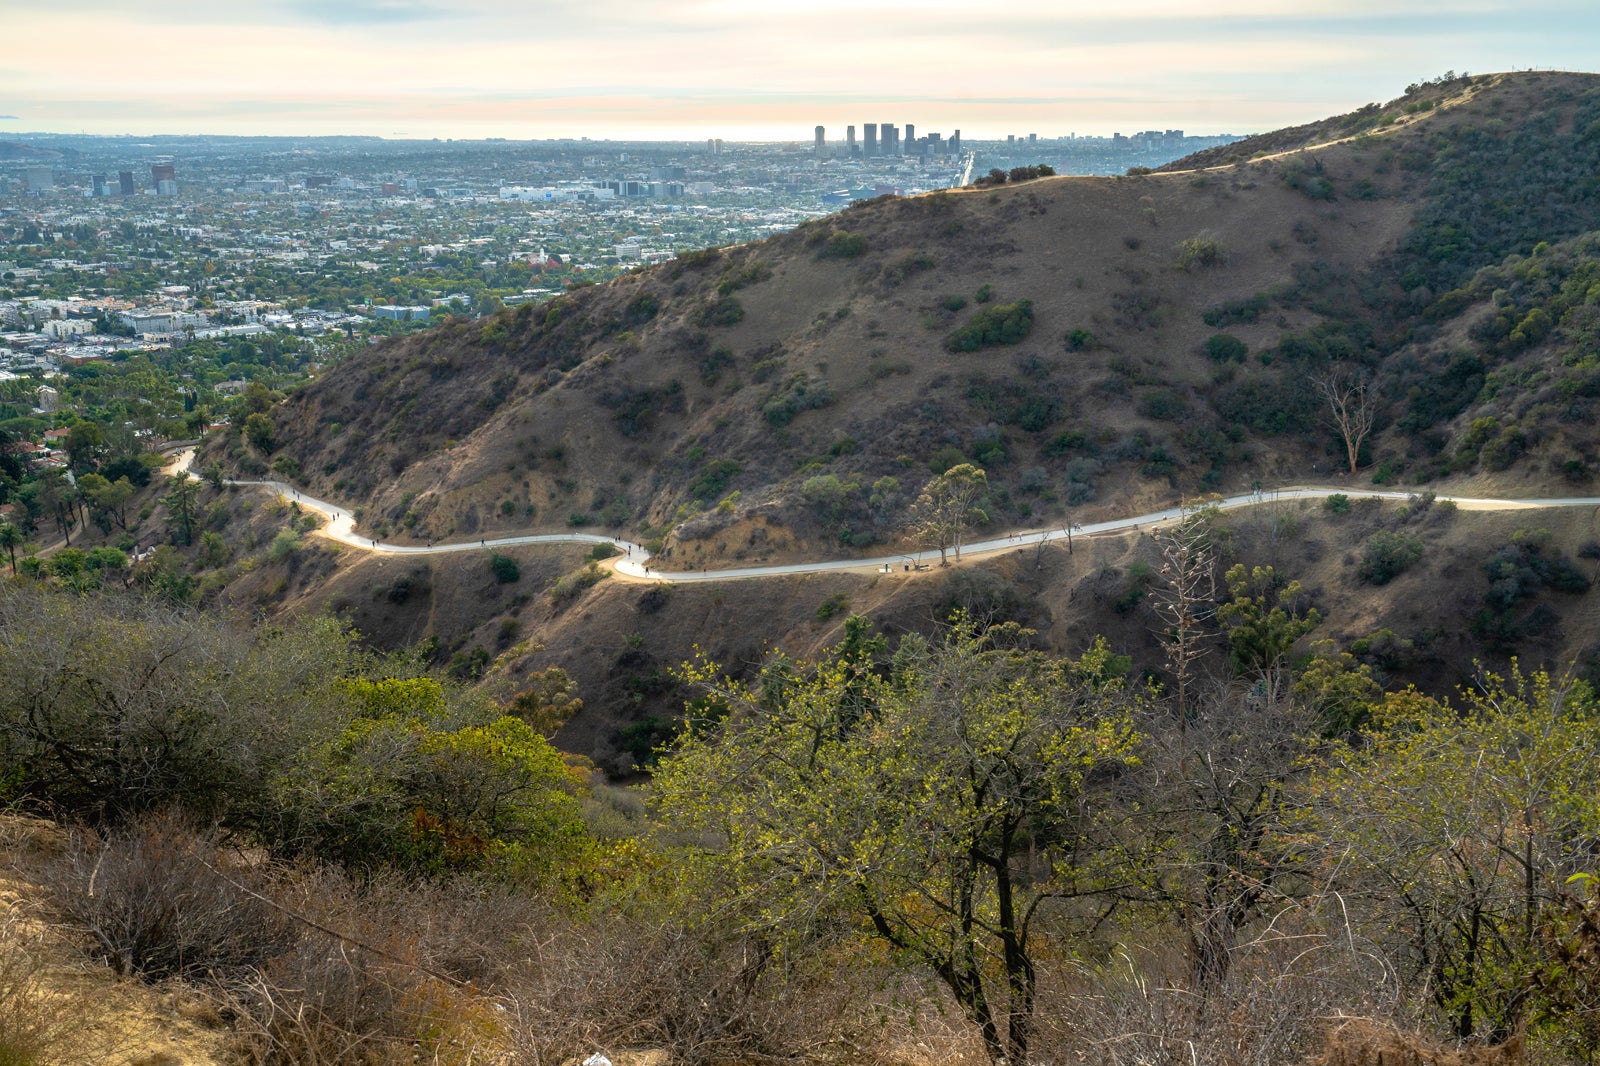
948 505
54 498
1263 619
1338 689
946 808
10 539
86 444
418 780
182 504
1456 829
259 430
214 550
108 499
13 465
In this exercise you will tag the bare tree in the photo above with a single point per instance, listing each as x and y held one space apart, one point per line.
1189 595
1069 529
1351 408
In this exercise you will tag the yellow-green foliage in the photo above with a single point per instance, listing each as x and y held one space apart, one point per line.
418 780
1460 826
910 801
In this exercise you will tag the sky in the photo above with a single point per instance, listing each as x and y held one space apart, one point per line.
746 69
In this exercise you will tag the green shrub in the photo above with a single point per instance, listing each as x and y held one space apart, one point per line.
1139 579
906 265
1163 405
842 244
835 604
285 544
1338 503
1226 348
945 458
1504 449
504 568
1081 340
1387 555
713 478
711 366
1229 312
1038 170
1062 443
641 309
570 586
991 451
799 394
953 303
1001 324
694 260
724 311
1200 253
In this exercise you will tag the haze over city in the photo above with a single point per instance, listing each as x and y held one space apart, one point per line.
745 71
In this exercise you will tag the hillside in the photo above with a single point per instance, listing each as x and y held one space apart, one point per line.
1099 345
825 351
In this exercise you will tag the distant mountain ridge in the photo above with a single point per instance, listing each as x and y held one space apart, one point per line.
14 150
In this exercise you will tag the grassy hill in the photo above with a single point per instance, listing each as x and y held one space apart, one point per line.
1098 345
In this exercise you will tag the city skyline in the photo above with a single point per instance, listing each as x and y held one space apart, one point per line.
748 71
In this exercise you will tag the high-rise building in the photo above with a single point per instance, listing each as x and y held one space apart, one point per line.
164 176
100 189
850 139
888 139
125 182
911 140
955 143
869 139
822 140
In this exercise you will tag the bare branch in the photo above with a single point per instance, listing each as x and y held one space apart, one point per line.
1351 408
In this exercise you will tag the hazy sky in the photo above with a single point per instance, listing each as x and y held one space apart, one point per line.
746 69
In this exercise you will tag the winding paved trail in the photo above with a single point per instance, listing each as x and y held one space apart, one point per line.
635 561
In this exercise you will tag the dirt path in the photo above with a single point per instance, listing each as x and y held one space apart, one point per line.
635 562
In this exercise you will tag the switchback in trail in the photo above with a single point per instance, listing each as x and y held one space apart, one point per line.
635 561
